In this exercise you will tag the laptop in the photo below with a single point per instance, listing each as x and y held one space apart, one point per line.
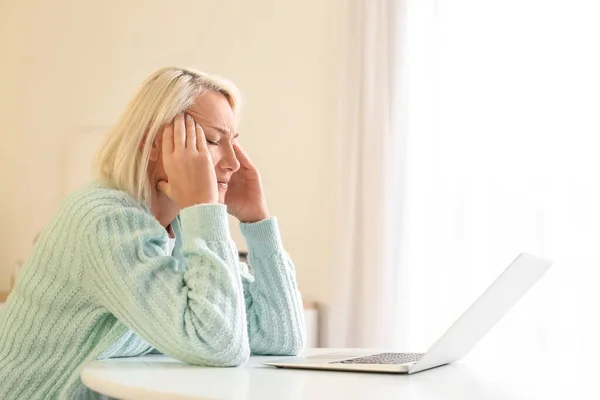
462 336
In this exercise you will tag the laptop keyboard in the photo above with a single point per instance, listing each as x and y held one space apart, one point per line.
383 358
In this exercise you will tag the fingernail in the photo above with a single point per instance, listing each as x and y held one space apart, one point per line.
188 117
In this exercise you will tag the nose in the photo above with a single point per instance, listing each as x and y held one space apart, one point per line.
229 160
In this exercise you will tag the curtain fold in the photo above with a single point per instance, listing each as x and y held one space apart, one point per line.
365 292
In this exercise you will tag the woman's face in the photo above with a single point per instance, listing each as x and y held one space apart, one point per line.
214 114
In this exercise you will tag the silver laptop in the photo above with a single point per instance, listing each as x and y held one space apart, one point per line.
462 336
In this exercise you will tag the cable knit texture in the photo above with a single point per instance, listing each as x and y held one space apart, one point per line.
101 283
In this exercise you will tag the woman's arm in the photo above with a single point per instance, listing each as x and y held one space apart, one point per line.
197 315
273 302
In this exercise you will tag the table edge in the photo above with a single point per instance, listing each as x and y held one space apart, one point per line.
129 392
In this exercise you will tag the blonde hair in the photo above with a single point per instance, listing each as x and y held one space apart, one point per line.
122 160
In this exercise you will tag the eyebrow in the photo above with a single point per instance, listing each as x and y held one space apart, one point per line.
222 131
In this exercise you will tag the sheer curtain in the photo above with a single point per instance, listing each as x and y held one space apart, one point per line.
495 131
366 283
501 158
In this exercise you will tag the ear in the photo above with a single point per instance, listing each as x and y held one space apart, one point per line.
155 149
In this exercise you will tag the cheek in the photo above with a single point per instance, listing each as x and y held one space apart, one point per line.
216 154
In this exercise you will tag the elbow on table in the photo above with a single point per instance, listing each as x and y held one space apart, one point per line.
232 356
289 345
295 345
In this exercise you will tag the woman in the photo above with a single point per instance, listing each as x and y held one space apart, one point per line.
142 260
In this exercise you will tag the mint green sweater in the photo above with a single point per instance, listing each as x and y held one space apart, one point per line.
101 283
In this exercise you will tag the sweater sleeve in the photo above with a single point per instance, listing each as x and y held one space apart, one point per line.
195 314
273 302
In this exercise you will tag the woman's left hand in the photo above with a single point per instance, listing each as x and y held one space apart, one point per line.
245 198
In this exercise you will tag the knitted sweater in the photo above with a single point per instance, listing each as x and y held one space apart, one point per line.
101 283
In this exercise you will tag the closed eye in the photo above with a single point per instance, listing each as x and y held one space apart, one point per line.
212 142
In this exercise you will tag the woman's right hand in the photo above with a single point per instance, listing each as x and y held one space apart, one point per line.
188 164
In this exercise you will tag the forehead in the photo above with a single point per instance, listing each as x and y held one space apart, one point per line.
212 108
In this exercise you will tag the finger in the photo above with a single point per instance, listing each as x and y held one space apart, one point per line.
179 132
242 156
201 144
167 145
190 132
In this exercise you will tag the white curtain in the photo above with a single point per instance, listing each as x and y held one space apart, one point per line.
498 156
365 278
501 147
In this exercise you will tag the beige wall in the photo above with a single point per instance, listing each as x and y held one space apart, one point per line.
68 67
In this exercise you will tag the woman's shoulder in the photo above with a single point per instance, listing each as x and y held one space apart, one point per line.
96 199
98 209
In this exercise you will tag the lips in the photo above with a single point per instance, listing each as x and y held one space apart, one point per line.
223 185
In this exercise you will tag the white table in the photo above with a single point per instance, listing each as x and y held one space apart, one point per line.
160 377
